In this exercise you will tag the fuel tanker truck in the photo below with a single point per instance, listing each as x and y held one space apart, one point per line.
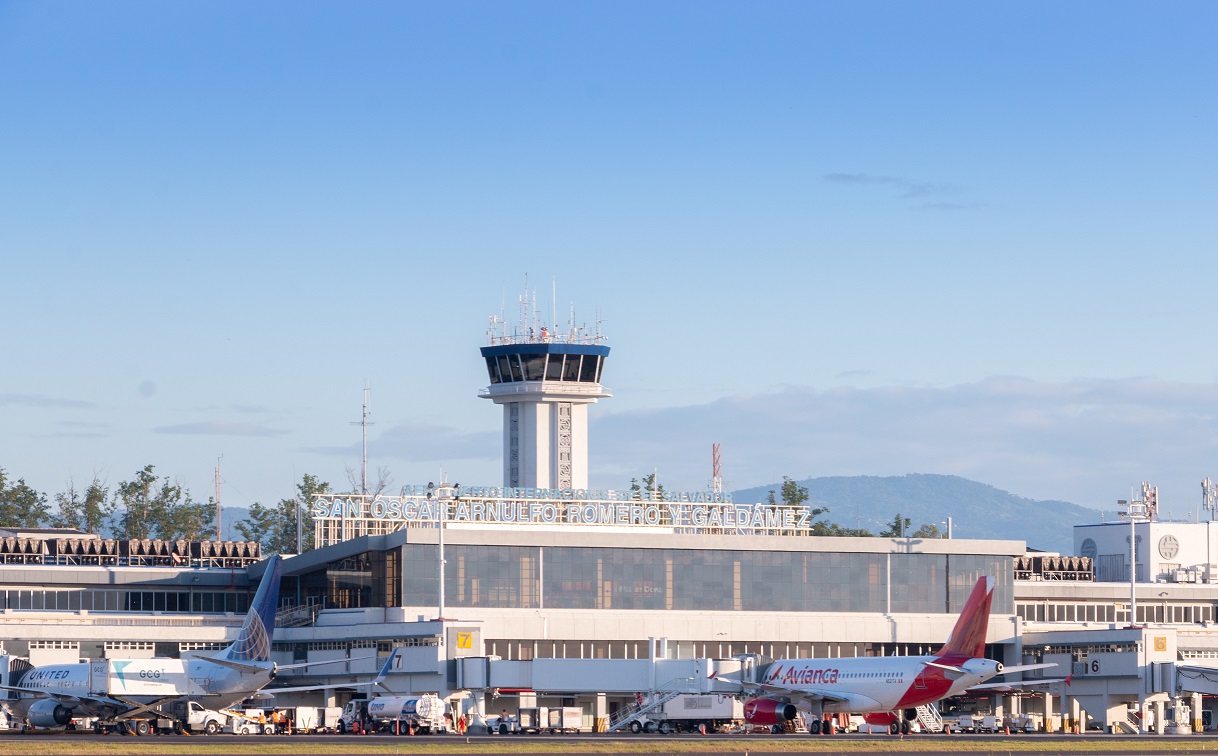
408 714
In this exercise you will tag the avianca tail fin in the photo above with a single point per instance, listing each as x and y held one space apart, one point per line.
968 636
254 642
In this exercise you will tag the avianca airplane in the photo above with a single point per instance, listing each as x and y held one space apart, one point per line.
887 690
134 690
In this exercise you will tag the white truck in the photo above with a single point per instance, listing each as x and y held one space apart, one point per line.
191 716
695 713
423 714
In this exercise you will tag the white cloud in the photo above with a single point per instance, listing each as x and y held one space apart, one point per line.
1081 441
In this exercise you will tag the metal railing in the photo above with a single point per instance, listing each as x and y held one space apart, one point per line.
660 696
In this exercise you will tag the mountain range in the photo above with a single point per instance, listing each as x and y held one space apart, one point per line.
976 510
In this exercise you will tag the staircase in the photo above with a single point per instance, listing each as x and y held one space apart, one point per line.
296 616
929 719
626 715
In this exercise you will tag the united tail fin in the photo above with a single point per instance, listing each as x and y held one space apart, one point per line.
254 642
968 636
379 681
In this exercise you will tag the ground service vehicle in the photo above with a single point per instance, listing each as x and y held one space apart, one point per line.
192 717
423 714
533 719
502 724
699 713
565 719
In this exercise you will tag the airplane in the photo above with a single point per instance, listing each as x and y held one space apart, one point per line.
886 690
120 692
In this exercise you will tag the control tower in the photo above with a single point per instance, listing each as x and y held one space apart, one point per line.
545 381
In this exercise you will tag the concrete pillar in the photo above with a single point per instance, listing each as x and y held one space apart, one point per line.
1159 717
1049 713
600 716
1196 712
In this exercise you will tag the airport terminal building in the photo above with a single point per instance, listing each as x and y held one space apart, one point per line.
544 589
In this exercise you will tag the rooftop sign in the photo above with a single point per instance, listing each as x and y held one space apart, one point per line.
343 516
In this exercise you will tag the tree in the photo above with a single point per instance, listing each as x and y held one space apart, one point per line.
88 513
896 528
376 487
654 491
928 531
165 511
795 495
275 527
833 529
20 505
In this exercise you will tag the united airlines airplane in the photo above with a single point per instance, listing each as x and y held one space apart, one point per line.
117 691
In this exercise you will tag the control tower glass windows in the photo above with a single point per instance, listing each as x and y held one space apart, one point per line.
589 369
492 369
514 364
534 366
570 370
554 368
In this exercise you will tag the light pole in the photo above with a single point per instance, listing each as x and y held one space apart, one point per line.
1134 510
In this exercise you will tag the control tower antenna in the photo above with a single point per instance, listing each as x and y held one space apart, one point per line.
545 381
716 470
1209 496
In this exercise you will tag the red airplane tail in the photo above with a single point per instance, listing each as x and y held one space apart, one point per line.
968 636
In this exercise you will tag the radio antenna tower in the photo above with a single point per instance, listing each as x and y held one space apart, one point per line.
1209 496
363 481
716 469
218 509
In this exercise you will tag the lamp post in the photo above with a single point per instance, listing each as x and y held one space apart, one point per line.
1134 510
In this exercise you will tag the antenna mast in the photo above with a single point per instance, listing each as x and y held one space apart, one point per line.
219 537
363 481
716 469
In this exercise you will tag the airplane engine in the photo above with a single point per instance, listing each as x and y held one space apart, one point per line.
768 711
49 713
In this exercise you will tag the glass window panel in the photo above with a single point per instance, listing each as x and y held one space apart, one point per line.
534 366
570 370
505 368
554 367
514 364
587 371
492 368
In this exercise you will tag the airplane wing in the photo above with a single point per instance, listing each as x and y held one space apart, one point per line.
121 707
1026 668
378 681
806 694
1011 687
299 688
60 697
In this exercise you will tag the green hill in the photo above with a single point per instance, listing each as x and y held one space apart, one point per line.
977 510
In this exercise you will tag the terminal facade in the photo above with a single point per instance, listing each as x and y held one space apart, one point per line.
542 589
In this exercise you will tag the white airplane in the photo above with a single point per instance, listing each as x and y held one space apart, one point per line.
886 690
133 690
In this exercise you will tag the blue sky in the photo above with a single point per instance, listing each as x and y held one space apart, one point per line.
837 238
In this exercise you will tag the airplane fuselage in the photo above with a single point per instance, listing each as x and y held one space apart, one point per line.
105 688
880 684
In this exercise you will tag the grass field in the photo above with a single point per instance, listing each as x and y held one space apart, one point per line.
54 745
